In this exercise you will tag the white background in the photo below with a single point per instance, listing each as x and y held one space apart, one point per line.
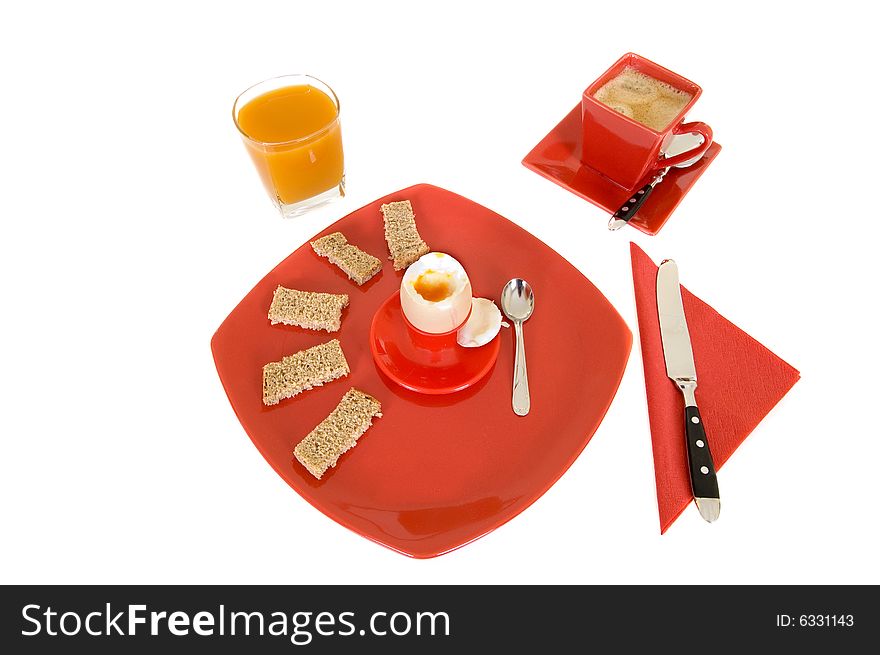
133 222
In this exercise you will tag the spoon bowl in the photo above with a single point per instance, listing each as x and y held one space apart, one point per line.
517 300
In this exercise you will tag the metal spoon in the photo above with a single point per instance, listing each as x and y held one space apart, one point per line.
681 143
518 302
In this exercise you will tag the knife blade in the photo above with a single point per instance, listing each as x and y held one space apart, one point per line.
680 368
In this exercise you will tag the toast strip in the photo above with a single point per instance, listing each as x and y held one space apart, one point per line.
357 264
321 448
307 309
402 235
302 371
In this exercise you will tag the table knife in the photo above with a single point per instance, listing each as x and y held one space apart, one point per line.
680 368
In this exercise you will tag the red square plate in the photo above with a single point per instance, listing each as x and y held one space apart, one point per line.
435 472
558 158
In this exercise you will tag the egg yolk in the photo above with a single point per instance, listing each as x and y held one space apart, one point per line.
433 286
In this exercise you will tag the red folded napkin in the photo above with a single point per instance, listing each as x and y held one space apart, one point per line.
739 383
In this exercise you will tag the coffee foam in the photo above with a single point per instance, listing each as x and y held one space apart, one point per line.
643 98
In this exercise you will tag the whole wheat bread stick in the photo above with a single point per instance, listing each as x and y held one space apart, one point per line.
307 309
302 371
321 448
405 244
357 264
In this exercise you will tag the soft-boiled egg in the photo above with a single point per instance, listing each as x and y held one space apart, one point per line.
482 325
435 293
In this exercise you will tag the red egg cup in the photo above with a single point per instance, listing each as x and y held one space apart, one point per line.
422 361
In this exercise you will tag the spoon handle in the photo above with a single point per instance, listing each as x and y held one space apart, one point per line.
521 400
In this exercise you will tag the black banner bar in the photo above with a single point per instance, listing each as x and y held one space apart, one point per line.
328 619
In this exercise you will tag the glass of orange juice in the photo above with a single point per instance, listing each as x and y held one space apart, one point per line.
290 127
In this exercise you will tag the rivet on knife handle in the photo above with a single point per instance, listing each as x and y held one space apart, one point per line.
629 209
704 482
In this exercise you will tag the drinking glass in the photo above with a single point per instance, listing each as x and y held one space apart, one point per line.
302 171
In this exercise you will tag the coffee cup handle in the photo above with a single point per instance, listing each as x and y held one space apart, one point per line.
689 128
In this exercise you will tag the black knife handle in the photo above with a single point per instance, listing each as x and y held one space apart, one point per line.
704 483
631 206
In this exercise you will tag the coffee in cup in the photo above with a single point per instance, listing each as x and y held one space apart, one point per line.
631 115
643 98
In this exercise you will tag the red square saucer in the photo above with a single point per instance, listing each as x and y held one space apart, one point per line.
434 472
558 158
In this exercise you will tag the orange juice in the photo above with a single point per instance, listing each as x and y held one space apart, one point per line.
292 133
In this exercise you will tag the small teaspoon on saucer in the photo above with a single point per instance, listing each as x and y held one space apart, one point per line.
682 143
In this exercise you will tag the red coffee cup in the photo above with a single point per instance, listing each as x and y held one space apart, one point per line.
625 150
